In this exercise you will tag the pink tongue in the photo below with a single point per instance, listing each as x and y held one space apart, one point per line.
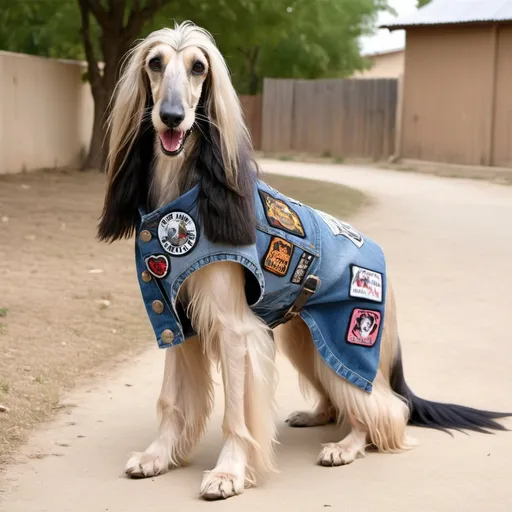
171 140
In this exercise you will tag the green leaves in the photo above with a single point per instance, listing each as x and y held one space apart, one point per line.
275 38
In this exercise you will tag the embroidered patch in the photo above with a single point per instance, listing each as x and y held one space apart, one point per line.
281 216
365 284
364 327
339 227
302 267
158 265
177 233
278 257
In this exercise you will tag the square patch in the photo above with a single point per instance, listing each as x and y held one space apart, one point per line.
302 267
278 257
365 284
281 216
364 327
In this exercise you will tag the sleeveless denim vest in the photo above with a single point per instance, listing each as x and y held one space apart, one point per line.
293 241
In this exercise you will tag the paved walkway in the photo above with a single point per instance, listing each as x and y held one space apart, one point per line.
449 249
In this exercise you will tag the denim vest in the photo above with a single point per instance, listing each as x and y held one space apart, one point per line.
293 241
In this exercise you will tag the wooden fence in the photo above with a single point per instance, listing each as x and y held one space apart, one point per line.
251 106
346 118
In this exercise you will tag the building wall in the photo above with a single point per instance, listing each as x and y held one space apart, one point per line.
45 113
502 132
447 94
385 65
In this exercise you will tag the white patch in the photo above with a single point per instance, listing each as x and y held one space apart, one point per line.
339 227
366 284
177 233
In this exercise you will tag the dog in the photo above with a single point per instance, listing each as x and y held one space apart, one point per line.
182 177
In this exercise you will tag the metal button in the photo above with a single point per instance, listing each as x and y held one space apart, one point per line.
167 336
158 306
145 235
146 276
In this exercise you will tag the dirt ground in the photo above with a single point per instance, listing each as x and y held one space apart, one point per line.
70 305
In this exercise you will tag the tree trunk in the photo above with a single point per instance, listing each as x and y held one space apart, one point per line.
115 41
102 92
97 154
254 80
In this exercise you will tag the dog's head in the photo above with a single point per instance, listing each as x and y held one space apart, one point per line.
176 80
175 102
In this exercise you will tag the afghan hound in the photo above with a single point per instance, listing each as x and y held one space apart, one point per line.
178 137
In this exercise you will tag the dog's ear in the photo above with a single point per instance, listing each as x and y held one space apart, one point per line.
129 187
224 162
130 156
227 213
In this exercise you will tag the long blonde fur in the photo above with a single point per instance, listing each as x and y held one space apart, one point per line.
228 332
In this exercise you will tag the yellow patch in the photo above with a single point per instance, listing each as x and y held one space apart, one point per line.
281 216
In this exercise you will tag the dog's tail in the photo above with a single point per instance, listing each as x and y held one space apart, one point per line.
442 416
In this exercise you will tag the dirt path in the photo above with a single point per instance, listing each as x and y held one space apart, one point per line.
449 247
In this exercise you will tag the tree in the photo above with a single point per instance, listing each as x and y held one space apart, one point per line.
259 38
421 3
120 22
46 28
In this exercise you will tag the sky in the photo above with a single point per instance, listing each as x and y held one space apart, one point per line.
385 40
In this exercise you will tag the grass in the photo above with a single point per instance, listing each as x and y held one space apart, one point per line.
71 305
338 200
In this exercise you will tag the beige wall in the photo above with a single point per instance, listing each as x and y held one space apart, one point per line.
45 113
457 103
385 65
502 131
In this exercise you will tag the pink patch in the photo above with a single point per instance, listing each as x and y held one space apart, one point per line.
364 327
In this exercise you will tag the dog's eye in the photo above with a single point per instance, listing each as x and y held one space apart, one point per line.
198 68
155 64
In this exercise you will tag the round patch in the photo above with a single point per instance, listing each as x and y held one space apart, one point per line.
177 233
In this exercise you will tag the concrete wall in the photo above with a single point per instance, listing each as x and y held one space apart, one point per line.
45 113
457 106
385 65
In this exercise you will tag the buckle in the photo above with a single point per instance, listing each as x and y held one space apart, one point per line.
309 288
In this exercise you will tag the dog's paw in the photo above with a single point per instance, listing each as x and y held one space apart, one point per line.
146 464
309 419
337 454
220 486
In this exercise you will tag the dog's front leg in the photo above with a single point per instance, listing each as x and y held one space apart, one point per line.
184 405
245 349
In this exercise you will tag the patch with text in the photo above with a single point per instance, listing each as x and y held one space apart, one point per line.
365 284
302 267
364 327
158 265
177 233
278 256
281 216
338 227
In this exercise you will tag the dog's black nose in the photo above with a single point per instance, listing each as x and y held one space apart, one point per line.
172 115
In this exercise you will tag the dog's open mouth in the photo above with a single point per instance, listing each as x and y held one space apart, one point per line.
173 141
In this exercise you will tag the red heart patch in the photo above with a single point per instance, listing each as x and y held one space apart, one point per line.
158 265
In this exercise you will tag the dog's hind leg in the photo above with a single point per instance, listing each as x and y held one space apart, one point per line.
184 405
379 418
294 340
245 348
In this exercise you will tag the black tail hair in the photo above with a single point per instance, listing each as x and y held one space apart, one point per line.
442 416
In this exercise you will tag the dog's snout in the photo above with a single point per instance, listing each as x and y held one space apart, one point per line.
172 115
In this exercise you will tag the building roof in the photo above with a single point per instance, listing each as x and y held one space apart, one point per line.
447 12
379 53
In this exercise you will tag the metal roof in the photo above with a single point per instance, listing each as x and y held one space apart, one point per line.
444 12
